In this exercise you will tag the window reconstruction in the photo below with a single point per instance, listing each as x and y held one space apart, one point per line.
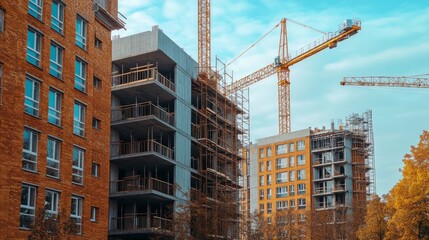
302 203
32 96
281 149
57 16
281 191
292 190
300 145
301 160
53 158
268 165
35 8
28 206
51 203
281 163
54 109
29 150
261 166
80 75
261 180
291 147
269 152
76 212
301 174
79 119
292 204
94 214
261 153
261 194
281 205
301 189
34 44
269 193
292 176
56 61
81 26
281 177
78 159
269 207
269 179
291 161
95 169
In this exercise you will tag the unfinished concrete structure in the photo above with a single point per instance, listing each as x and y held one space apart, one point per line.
174 139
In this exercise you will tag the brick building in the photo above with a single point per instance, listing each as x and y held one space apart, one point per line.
55 66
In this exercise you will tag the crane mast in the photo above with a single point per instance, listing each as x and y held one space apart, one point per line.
204 38
285 60
383 81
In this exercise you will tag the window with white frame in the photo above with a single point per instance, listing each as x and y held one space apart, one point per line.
261 194
56 60
301 189
281 191
301 174
1 20
269 179
281 177
80 75
301 217
79 119
35 8
78 161
32 96
291 161
94 214
291 147
34 46
302 203
281 205
28 206
300 145
269 193
269 220
292 190
53 158
29 150
300 160
281 149
269 207
95 170
261 180
261 208
269 152
292 203
261 153
281 163
76 212
292 176
51 203
57 16
54 107
261 166
268 165
81 26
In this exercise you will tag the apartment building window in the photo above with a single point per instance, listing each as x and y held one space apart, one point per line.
29 150
79 119
261 180
281 149
269 153
81 26
291 161
269 193
34 46
96 123
54 107
76 212
281 177
94 214
301 217
301 189
261 208
80 75
28 206
268 165
300 160
281 191
291 147
53 158
1 20
269 220
292 190
281 163
78 160
261 166
300 145
32 96
56 60
301 174
281 205
57 16
51 203
98 43
95 170
302 203
269 207
261 153
269 179
97 83
292 176
35 8
261 194
292 203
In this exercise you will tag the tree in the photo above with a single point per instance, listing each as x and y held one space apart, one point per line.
51 227
375 226
408 201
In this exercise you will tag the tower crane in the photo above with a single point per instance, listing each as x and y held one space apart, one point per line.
383 81
204 39
285 60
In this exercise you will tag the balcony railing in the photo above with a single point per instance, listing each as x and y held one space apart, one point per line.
121 149
133 111
138 184
322 190
141 74
339 188
140 221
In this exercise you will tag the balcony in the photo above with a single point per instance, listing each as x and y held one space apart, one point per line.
136 185
322 191
104 16
320 162
156 86
140 223
323 205
153 151
141 113
338 174
339 188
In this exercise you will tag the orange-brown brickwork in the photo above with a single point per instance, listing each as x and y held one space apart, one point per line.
13 119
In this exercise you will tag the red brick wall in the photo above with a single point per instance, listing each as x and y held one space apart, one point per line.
13 44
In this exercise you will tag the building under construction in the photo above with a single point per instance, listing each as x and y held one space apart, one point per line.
175 143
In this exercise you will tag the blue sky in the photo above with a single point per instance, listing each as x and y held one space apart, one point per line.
394 41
